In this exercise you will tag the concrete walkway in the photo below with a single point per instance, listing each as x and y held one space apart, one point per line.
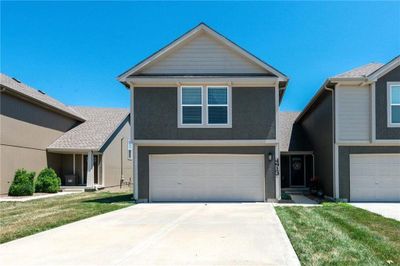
388 210
301 199
162 234
34 197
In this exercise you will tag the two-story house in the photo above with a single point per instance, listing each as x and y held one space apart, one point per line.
353 125
207 127
205 122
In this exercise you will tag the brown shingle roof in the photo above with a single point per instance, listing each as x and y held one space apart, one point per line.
37 96
101 123
361 71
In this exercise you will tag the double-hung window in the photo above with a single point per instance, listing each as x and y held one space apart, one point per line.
217 105
192 105
394 104
204 106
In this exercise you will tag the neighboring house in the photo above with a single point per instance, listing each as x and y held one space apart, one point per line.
86 146
353 125
206 116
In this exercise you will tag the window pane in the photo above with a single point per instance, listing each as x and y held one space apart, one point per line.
191 114
218 115
191 95
396 94
396 114
217 95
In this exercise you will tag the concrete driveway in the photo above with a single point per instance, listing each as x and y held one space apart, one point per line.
389 210
162 234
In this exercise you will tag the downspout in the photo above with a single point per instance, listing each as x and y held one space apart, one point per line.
335 148
135 185
121 181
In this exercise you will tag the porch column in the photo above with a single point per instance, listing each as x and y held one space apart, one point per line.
90 170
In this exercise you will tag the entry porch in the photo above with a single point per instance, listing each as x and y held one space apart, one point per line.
297 171
78 170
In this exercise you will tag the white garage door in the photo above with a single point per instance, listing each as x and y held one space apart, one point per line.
375 177
207 177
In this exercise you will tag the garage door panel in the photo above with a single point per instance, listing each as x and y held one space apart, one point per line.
375 177
207 177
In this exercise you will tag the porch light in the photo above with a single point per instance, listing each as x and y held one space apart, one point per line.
269 156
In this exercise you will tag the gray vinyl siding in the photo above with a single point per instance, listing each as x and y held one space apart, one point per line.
144 152
253 116
203 54
318 125
382 130
353 113
344 163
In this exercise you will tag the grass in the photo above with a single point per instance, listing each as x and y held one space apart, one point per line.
19 219
340 234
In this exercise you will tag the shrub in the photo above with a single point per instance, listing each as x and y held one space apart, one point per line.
23 183
47 181
285 196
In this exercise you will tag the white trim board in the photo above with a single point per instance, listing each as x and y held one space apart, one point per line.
384 69
174 81
377 142
261 142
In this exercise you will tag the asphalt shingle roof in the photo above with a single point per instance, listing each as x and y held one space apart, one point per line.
361 71
100 124
291 135
36 95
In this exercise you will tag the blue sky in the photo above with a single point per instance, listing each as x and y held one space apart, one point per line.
75 50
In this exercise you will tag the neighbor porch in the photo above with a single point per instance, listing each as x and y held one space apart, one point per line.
78 170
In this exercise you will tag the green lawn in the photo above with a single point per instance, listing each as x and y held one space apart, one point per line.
340 234
19 219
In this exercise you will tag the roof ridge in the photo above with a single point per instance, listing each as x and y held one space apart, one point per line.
30 92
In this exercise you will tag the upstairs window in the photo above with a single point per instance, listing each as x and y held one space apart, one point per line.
192 105
394 104
204 106
217 108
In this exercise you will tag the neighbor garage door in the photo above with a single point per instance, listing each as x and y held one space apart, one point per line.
207 177
375 177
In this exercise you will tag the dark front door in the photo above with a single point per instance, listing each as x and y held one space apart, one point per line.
297 170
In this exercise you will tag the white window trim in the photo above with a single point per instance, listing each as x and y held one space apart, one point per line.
204 107
180 105
390 104
227 105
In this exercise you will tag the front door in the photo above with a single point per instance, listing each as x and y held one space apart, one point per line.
297 171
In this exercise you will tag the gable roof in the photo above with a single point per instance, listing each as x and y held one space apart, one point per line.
34 95
100 125
201 28
366 73
361 71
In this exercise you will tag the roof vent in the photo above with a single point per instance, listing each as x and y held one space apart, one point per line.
16 80
42 92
